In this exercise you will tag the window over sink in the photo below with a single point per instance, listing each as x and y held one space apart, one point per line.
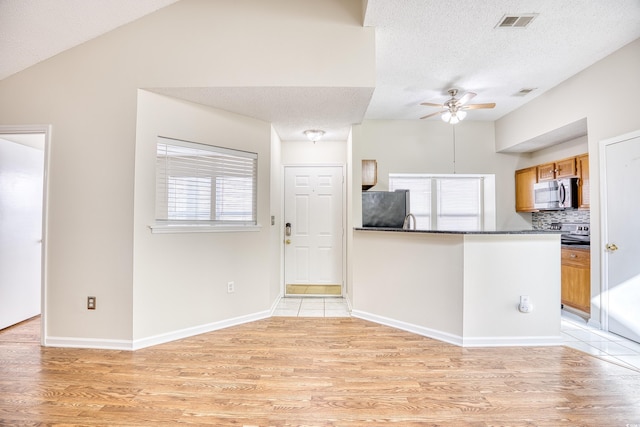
449 202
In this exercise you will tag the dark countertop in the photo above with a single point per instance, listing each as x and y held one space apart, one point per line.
400 230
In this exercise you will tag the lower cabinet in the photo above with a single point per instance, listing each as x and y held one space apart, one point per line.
576 278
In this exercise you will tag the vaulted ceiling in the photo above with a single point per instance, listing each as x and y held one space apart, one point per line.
423 48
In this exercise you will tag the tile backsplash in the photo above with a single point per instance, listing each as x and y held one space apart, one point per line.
542 220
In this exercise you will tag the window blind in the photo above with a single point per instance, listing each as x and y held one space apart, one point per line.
419 197
443 202
202 183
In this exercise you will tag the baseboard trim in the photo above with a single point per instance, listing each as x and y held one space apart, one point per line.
409 327
197 330
101 344
128 345
460 340
543 341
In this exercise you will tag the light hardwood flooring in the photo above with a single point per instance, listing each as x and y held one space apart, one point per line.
293 371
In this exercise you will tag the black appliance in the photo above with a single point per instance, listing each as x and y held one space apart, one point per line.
384 209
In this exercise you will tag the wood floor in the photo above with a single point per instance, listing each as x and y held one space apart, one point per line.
309 372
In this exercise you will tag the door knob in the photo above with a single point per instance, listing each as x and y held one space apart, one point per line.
611 247
288 241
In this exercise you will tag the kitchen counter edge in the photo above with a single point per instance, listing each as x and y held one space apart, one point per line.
401 230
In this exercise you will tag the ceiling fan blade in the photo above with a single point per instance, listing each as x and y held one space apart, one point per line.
431 115
431 104
465 98
479 106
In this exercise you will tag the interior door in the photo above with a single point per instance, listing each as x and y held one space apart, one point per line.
621 236
21 207
313 215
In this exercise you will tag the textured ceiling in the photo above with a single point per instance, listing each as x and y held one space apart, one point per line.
292 110
423 48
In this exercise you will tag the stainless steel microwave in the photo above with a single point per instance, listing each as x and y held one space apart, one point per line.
556 195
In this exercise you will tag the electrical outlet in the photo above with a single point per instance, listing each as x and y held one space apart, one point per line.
231 287
525 304
91 303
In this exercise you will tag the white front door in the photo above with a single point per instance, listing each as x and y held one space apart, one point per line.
621 235
313 216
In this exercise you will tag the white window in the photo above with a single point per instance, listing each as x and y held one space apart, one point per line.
204 184
449 202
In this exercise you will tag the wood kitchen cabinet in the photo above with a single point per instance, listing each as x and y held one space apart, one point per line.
584 200
525 178
565 168
369 174
576 278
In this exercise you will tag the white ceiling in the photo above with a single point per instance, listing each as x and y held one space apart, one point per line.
423 48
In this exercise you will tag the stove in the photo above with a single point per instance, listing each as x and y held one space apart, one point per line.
573 233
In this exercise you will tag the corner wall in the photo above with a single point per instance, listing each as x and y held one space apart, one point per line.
89 95
606 94
180 280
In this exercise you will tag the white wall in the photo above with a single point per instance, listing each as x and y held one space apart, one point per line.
305 152
180 280
89 95
420 146
461 288
606 95
21 185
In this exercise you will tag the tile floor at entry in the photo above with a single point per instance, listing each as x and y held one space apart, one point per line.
312 307
604 345
575 332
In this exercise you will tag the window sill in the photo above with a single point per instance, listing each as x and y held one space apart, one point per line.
198 228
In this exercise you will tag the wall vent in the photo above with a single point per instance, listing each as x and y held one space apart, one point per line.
524 91
521 20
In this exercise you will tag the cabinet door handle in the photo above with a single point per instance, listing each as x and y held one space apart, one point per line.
573 255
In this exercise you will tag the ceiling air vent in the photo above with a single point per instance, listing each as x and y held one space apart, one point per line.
516 21
525 91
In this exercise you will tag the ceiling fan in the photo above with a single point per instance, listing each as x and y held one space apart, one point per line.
454 109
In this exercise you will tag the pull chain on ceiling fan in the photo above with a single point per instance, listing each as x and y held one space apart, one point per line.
454 109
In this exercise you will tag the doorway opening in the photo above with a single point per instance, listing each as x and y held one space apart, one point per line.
314 230
23 200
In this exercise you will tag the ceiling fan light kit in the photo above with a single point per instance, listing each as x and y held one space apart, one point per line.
454 108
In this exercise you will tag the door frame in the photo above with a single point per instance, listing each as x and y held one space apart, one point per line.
46 130
604 232
342 166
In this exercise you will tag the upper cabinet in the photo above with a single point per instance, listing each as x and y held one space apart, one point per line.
525 178
565 168
584 200
369 174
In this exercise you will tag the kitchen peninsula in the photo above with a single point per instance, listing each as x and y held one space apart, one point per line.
460 287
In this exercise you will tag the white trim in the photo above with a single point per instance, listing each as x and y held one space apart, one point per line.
197 330
552 340
46 130
604 265
409 327
129 345
275 305
205 228
103 344
458 340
